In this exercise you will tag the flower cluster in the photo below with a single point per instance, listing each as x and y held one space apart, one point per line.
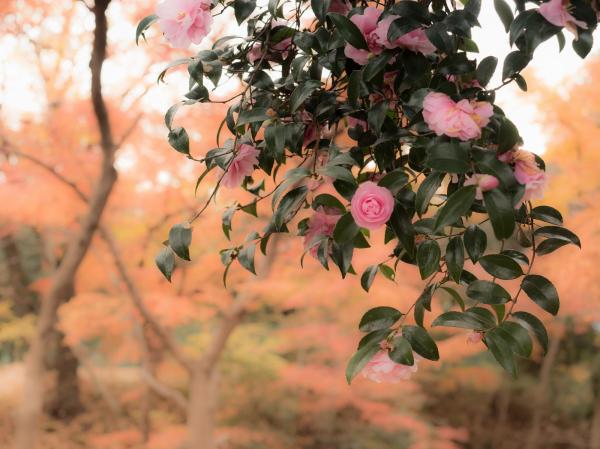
380 118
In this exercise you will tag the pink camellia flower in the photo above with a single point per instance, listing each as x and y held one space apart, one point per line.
484 183
371 205
184 22
242 165
320 225
463 120
383 369
340 6
415 40
255 53
367 24
557 13
528 173
475 337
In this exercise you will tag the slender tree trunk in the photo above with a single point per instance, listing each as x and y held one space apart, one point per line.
203 401
65 401
33 386
541 392
202 407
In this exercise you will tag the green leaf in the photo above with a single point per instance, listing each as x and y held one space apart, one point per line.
379 318
455 296
180 238
360 359
349 32
302 93
368 276
505 13
252 116
403 228
547 214
428 258
517 256
499 343
486 69
455 258
448 157
402 352
475 242
558 233
226 220
246 257
501 266
165 261
289 205
502 213
243 9
374 338
458 204
514 63
474 318
144 24
426 191
179 140
542 292
327 200
320 8
394 181
536 326
508 136
337 172
549 246
346 229
421 342
522 341
583 45
375 66
387 272
487 292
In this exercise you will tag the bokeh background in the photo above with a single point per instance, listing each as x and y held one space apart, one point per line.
112 383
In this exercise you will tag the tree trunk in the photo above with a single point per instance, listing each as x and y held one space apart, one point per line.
33 386
201 409
65 401
541 392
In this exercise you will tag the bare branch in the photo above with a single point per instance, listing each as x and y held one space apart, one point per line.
165 391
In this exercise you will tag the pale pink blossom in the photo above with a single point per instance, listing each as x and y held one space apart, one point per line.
242 165
184 22
367 24
320 224
484 183
255 53
557 13
463 120
415 40
529 174
383 369
371 205
282 47
475 337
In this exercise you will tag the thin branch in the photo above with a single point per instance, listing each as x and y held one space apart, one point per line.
165 391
